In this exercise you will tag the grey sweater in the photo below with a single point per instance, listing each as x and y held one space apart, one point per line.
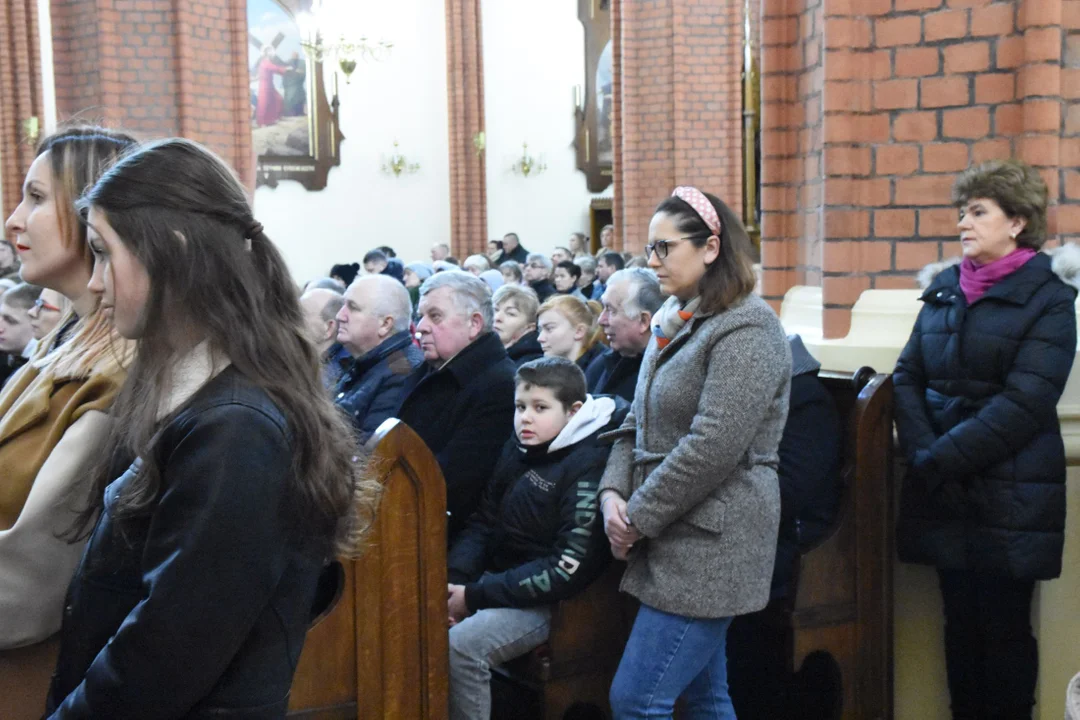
696 459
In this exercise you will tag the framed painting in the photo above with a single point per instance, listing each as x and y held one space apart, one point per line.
595 153
294 125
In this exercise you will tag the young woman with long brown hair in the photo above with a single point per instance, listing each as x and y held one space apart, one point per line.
230 479
53 412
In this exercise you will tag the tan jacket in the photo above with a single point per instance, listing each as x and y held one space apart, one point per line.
697 458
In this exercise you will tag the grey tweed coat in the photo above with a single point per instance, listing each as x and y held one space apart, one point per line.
697 460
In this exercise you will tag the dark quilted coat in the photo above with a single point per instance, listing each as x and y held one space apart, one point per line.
976 395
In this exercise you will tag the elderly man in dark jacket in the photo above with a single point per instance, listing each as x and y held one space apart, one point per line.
630 299
461 400
373 325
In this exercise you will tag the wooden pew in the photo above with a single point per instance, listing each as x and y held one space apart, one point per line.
381 650
843 605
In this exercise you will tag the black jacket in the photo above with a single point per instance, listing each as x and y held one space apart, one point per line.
371 389
613 374
465 413
809 470
526 349
543 289
591 354
518 255
976 395
200 611
538 534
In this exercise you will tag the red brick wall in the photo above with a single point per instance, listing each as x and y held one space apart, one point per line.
914 91
679 96
20 95
465 94
157 68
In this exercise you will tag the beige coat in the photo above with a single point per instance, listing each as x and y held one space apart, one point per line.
697 460
50 432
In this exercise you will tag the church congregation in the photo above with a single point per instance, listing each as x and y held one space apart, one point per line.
194 423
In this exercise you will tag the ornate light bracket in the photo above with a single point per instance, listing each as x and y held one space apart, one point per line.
751 133
397 164
527 164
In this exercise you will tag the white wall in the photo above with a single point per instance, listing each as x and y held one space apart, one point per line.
534 55
402 98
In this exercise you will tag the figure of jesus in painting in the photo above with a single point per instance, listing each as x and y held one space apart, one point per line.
270 104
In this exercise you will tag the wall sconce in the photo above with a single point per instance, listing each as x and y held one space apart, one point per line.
526 164
397 164
31 128
479 142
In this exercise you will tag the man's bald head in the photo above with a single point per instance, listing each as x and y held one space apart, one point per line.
320 306
376 307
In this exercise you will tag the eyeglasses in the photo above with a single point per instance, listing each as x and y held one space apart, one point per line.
40 305
662 246
536 266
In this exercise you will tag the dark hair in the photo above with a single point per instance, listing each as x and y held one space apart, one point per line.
387 251
215 274
564 249
1016 187
78 156
347 273
570 267
452 260
22 295
513 235
561 376
375 256
498 243
730 277
613 259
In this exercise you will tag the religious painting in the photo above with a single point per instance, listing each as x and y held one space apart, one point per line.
294 127
595 150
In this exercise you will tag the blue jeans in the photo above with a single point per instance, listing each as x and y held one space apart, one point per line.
669 656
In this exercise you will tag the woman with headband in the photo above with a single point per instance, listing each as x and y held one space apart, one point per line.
690 496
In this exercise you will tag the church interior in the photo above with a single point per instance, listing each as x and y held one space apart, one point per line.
834 130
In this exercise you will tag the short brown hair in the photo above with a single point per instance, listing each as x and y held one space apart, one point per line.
561 376
731 276
1016 187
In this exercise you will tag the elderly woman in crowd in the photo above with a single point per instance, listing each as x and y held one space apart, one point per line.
515 322
976 392
511 272
690 496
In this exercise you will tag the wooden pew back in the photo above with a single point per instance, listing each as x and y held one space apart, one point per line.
843 605
382 651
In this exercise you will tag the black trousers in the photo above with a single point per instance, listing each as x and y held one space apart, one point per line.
991 656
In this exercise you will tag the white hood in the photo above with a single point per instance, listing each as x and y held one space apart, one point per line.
594 415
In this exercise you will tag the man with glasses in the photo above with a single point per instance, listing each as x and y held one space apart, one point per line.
538 275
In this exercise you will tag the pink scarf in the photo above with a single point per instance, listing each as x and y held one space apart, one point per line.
976 279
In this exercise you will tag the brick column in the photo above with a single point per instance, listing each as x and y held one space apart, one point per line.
911 93
465 93
157 68
20 94
680 105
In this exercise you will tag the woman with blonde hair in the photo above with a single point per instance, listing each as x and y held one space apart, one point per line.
229 478
53 412
568 328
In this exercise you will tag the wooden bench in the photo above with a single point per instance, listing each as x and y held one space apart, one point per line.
382 650
843 606
841 613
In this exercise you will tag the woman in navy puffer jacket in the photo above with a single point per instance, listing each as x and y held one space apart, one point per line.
976 393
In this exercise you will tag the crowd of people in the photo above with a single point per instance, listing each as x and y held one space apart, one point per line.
184 433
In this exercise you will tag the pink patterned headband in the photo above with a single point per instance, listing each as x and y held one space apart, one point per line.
697 200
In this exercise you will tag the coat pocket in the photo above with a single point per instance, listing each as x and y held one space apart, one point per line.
708 515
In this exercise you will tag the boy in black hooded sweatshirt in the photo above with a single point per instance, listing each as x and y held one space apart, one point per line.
537 537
